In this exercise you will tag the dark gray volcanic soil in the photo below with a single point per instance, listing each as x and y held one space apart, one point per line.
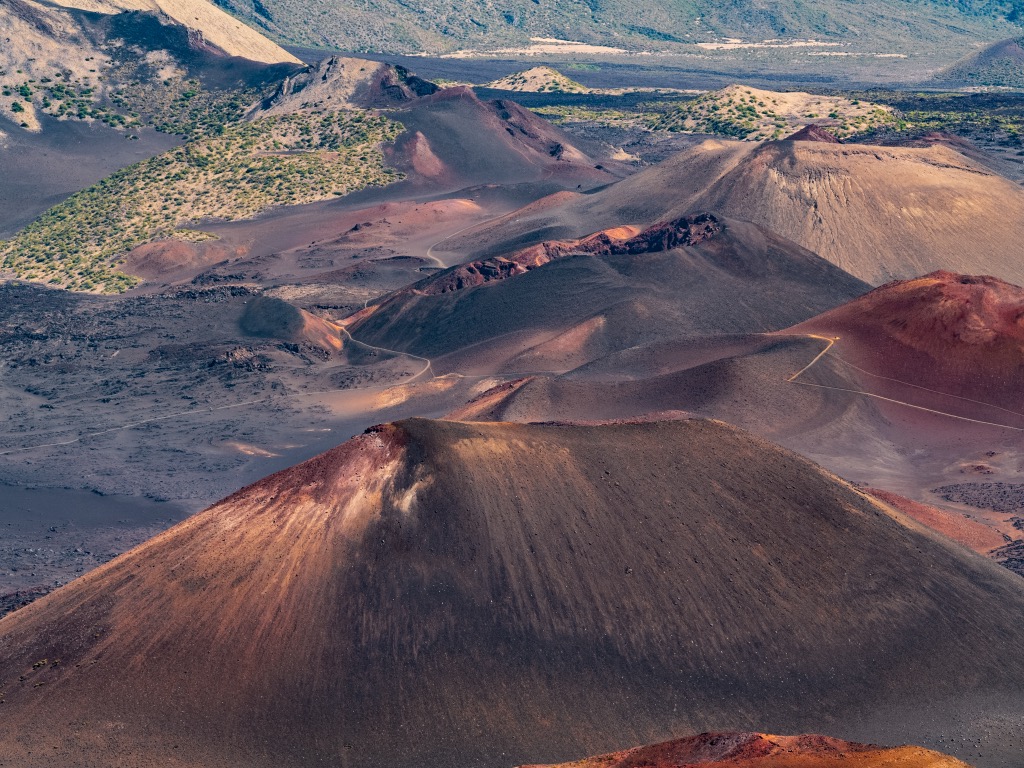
159 397
743 279
40 170
49 536
764 69
165 396
448 594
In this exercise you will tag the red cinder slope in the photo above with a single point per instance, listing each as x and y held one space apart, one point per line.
762 750
958 335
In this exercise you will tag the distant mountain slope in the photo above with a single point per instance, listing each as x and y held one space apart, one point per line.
482 595
211 24
72 60
1000 64
432 26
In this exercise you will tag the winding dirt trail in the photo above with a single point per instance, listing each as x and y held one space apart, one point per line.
427 367
831 342
430 251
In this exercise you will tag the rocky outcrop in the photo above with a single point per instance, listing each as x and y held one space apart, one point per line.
340 82
686 231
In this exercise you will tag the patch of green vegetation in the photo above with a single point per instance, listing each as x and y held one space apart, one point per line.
193 235
239 171
563 114
632 111
182 106
987 117
755 115
737 112
65 97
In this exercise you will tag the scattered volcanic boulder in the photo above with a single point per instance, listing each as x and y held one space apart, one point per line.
762 750
452 594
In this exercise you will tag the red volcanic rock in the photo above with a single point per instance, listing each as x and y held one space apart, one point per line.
978 536
473 273
761 750
689 230
813 133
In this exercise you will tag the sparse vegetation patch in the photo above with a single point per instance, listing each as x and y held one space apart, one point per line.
241 170
754 115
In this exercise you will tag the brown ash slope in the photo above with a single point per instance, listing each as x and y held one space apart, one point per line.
880 213
453 137
697 274
450 594
913 386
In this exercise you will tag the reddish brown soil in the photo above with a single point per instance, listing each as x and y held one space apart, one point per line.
172 259
761 750
977 536
959 335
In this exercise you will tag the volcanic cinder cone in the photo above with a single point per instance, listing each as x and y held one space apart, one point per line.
457 594
879 213
947 341
618 288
